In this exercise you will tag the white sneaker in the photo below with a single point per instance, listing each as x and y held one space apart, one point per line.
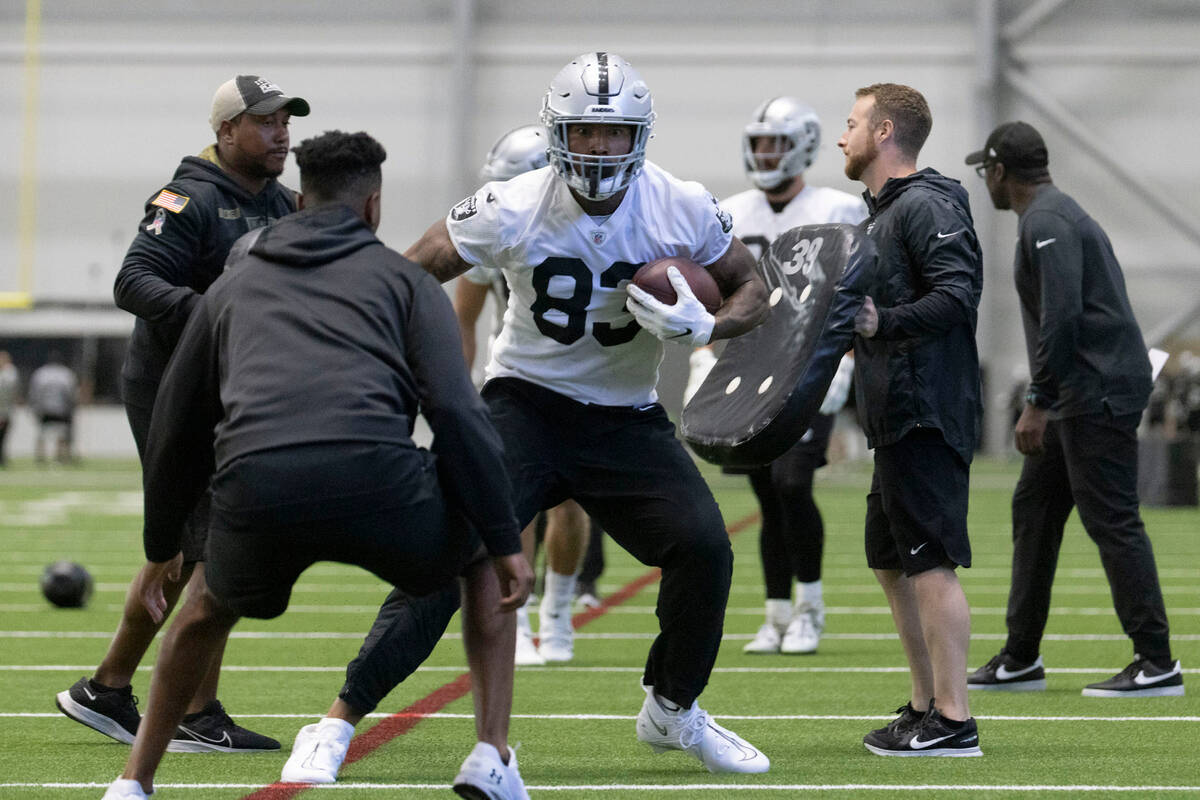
803 633
484 776
125 789
767 640
695 732
318 752
588 600
526 654
556 634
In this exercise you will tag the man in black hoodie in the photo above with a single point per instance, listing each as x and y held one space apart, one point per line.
310 358
1078 427
916 369
179 249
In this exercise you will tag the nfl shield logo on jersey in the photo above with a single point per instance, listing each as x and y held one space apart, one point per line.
598 237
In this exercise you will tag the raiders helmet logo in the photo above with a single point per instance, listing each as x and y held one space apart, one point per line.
467 208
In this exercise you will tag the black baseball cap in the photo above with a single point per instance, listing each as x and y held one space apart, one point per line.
1016 145
254 95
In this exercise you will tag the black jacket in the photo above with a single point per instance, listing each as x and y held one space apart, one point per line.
320 333
921 369
176 254
1086 352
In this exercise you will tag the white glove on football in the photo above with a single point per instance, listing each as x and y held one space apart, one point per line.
700 363
686 322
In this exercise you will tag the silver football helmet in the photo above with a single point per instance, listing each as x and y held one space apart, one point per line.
797 133
518 151
597 88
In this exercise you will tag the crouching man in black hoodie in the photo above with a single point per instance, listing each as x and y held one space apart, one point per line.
294 391
916 369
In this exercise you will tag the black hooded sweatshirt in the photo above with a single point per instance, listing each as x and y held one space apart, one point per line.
921 369
179 249
318 333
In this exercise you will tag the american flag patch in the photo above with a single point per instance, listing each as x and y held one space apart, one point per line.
170 201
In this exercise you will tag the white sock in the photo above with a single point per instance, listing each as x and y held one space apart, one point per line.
779 612
809 594
344 729
524 628
560 590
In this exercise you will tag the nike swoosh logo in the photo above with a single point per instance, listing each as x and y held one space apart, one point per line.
1142 679
948 235
1004 674
686 332
917 743
225 740
1043 242
912 551
88 692
660 728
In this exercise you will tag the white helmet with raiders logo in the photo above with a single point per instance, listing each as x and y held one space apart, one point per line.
597 88
797 134
516 152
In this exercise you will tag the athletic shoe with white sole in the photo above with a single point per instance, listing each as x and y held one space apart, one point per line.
211 729
695 732
893 734
556 636
766 641
1005 674
1140 679
803 633
112 712
526 653
125 789
318 752
933 737
484 776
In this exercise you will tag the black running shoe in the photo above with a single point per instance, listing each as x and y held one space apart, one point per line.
1140 679
932 737
212 729
894 733
1004 673
112 712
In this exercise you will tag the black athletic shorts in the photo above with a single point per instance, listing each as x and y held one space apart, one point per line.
917 507
195 527
378 506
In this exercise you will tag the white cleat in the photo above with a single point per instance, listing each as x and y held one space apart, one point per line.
767 640
526 654
125 789
484 776
557 637
318 752
694 731
803 633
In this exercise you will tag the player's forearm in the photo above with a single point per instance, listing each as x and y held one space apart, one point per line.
743 310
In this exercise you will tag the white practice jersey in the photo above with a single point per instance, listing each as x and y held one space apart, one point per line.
757 224
566 327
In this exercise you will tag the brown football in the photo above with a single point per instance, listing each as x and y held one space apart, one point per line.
652 278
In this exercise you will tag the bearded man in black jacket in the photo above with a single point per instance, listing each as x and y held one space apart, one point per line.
294 393
916 369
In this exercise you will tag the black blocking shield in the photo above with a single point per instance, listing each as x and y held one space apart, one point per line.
768 384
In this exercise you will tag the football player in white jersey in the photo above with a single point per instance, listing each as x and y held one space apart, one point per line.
778 144
571 379
566 525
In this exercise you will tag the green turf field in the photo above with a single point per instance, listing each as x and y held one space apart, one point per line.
575 723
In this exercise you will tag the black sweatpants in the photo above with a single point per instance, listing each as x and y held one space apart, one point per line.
1090 463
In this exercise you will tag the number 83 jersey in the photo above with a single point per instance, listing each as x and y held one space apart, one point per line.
566 326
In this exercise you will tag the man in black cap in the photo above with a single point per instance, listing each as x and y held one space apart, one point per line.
179 249
1090 382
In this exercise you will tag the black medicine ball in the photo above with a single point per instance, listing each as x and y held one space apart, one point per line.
66 584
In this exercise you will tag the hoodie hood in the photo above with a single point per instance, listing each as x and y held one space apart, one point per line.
314 237
205 168
928 178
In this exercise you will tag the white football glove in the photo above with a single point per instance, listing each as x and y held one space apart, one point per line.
700 363
839 387
687 322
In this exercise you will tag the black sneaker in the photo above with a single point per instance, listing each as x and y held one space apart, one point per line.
212 729
1140 679
112 712
892 734
932 737
1004 673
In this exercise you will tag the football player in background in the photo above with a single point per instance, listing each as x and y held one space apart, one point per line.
566 525
778 144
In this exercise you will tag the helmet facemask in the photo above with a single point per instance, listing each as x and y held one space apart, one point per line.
597 89
797 134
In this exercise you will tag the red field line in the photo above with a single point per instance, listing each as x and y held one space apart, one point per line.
404 720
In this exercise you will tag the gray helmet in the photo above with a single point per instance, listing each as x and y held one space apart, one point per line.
597 88
798 134
518 151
